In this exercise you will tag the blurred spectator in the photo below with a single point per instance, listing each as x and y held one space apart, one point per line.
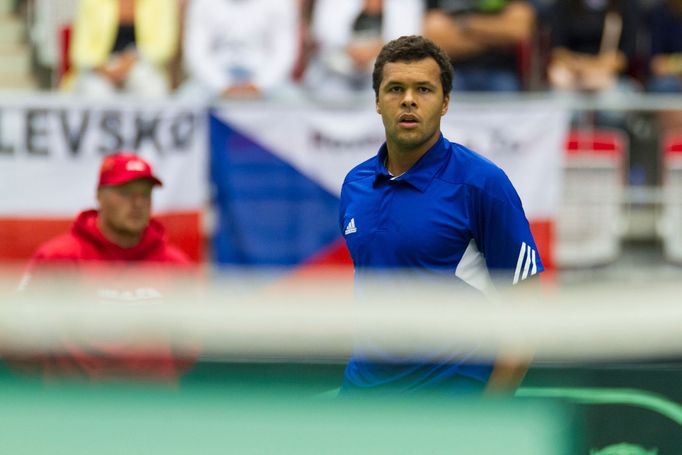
16 59
116 254
348 35
592 44
175 66
50 28
124 46
482 37
666 57
240 48
305 41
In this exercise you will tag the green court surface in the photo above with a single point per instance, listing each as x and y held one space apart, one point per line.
293 408
207 418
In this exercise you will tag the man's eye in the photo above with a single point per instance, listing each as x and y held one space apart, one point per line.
424 89
395 88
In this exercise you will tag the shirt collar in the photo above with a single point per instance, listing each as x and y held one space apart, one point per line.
422 173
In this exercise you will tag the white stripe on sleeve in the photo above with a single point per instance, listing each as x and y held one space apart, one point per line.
526 266
519 262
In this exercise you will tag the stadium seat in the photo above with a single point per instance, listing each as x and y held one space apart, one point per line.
671 213
590 218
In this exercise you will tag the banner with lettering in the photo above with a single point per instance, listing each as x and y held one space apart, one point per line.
50 151
278 171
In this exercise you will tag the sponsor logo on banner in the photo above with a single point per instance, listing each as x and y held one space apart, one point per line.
60 144
64 131
323 142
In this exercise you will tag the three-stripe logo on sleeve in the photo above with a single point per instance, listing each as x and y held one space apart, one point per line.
526 265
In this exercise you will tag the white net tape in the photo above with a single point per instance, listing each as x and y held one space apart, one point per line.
321 319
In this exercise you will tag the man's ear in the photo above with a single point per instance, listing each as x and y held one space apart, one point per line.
376 106
446 104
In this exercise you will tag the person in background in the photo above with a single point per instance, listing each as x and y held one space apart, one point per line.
665 67
436 210
123 46
593 42
348 36
240 49
305 42
482 39
116 254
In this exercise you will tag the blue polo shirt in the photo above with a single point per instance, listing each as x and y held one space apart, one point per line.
453 215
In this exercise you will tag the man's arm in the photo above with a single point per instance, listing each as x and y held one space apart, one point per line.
471 34
507 374
450 35
513 25
512 362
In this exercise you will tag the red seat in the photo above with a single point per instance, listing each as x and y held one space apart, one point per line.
590 220
672 146
600 141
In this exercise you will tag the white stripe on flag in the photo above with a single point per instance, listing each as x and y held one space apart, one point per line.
519 262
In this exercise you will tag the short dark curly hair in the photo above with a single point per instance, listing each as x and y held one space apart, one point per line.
409 49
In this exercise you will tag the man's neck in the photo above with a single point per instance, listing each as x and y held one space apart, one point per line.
122 239
400 160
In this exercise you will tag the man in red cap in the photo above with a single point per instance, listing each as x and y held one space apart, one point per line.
122 229
115 253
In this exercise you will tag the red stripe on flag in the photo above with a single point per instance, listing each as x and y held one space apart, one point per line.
335 254
332 266
184 231
20 237
334 261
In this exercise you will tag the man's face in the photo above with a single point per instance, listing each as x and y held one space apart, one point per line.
126 209
411 102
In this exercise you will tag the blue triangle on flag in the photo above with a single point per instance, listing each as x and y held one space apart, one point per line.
268 213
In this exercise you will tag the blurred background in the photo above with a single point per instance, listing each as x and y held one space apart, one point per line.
253 111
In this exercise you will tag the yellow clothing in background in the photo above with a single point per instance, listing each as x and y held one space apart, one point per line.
96 26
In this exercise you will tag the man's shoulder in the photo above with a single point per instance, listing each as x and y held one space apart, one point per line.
363 170
156 246
486 179
64 246
470 167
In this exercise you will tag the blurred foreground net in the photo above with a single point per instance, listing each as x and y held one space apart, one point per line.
268 353
247 316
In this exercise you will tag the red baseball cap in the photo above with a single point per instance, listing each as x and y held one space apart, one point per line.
121 167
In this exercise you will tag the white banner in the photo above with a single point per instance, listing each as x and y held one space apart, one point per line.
51 148
525 139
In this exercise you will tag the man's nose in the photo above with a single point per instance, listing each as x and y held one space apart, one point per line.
139 199
408 99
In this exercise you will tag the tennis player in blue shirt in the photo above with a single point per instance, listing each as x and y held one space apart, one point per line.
433 207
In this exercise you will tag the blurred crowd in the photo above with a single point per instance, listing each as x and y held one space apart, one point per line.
214 49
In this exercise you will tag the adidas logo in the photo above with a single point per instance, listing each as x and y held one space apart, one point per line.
525 265
351 229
